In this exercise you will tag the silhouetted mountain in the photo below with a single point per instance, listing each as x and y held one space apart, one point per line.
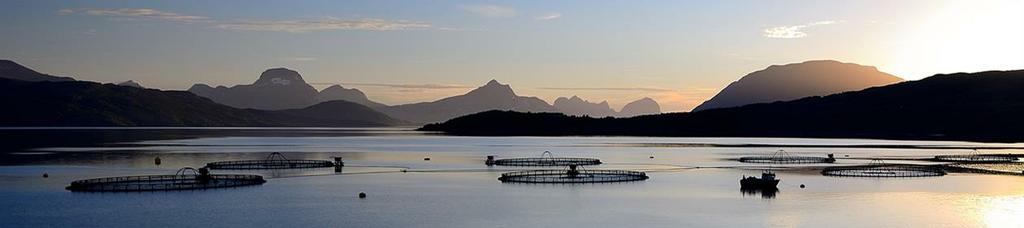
983 106
131 83
579 107
492 96
337 92
12 70
77 103
645 106
276 89
333 113
798 80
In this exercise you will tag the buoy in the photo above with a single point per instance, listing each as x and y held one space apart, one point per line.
46 175
802 186
157 160
362 195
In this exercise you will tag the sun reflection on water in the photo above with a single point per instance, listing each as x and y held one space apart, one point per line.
1006 211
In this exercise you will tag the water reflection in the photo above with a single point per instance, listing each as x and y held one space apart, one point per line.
765 193
1003 211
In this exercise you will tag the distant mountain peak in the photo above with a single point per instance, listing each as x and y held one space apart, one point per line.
493 82
644 106
335 86
798 80
279 77
338 92
12 70
580 107
131 83
493 88
490 96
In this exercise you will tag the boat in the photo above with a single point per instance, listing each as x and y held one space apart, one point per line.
767 181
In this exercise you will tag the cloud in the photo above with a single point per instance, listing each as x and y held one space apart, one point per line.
132 13
792 31
404 86
643 89
299 59
326 24
548 16
489 10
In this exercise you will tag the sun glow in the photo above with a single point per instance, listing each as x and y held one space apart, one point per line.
1004 212
963 36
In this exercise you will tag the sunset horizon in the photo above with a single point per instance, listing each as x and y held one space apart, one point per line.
450 114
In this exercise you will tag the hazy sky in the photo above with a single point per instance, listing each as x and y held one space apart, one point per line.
678 52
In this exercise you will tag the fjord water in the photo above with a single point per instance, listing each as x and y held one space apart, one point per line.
693 182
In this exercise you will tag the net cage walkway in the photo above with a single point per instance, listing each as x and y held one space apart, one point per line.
545 159
274 161
881 170
782 157
974 157
184 179
572 175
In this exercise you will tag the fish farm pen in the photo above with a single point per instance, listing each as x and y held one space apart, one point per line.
274 161
782 157
185 179
572 175
545 159
881 170
977 158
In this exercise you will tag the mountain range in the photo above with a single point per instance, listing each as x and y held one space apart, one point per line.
46 100
281 97
491 96
579 107
78 103
798 80
277 89
983 106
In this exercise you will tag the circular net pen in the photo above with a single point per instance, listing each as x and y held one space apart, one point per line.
974 157
273 161
185 179
782 157
881 170
545 159
572 175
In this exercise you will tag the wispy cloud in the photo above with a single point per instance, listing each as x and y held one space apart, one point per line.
792 31
403 86
548 16
643 89
293 26
299 59
326 24
490 10
134 13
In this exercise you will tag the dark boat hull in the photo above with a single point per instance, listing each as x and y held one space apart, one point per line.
755 183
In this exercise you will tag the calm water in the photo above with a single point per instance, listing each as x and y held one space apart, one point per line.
693 183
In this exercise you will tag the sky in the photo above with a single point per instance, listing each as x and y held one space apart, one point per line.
678 52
